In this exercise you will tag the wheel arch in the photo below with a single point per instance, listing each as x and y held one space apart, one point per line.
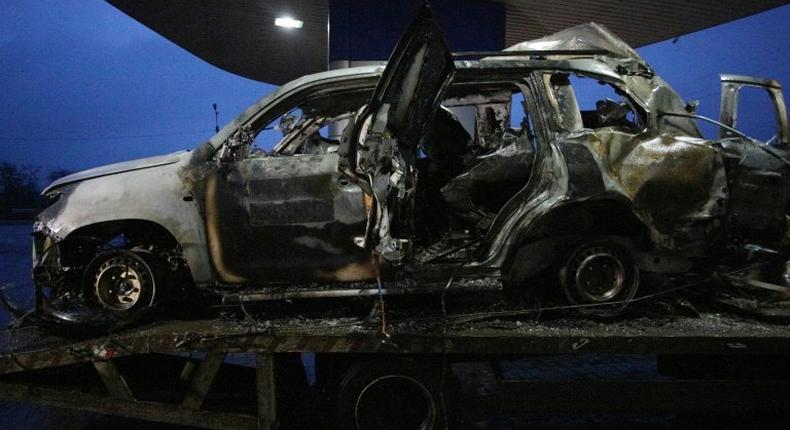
539 246
153 232
139 231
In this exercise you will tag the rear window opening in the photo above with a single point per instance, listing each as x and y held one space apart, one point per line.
587 103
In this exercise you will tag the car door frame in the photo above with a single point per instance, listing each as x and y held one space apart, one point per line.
381 150
230 197
547 184
731 86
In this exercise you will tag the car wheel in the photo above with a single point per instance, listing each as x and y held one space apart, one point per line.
122 282
391 395
600 276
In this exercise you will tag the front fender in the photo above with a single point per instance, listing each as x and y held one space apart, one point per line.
156 195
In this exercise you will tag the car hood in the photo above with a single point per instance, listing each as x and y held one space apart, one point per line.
112 169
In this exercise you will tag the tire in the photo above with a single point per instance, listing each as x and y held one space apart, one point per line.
124 284
601 276
392 394
91 315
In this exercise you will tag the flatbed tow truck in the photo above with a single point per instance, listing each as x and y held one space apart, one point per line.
173 371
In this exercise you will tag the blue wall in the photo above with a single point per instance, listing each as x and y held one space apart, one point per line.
368 30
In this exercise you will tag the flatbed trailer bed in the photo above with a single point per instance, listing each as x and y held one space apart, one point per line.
29 348
29 351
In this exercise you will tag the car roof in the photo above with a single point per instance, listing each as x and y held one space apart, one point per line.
619 61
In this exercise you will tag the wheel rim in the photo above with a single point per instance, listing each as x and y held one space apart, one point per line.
395 402
600 276
121 281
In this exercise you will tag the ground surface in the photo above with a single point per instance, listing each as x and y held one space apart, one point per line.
15 264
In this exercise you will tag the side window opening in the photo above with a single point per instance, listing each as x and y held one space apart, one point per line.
270 135
324 131
298 133
466 115
312 127
488 116
478 154
517 111
588 103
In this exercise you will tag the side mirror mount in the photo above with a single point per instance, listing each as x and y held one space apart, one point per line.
237 146
691 106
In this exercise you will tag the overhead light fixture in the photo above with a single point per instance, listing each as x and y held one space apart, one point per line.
288 22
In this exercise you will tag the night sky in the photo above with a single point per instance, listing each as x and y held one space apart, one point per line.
83 84
80 79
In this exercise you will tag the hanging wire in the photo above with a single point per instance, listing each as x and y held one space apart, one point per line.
445 364
382 307
476 316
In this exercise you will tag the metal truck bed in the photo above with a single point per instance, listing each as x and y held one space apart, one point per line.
30 359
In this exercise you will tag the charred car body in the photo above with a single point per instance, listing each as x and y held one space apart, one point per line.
484 170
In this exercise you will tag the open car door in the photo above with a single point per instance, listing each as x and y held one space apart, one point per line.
382 148
731 86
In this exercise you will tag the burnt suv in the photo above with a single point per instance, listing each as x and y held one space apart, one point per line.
485 168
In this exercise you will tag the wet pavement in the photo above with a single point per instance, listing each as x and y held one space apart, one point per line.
15 264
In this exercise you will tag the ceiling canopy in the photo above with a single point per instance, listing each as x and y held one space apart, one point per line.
239 36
